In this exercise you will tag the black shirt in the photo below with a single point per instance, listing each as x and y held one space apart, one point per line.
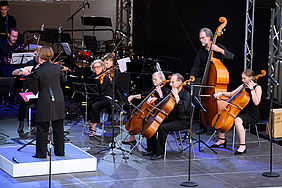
199 66
106 86
6 49
11 24
181 109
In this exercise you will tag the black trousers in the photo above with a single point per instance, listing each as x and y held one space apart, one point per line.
157 142
58 138
94 108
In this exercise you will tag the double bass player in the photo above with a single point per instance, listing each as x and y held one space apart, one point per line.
198 69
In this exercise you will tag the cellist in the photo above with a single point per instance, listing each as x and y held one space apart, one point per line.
198 69
177 120
157 78
249 115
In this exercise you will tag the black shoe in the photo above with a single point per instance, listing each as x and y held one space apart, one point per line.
239 152
20 128
157 157
133 142
149 153
201 130
39 157
217 146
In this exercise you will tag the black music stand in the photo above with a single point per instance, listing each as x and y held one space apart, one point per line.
86 87
116 107
197 104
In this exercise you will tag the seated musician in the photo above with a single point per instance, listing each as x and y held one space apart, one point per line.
109 60
249 115
26 71
176 120
6 48
157 78
97 103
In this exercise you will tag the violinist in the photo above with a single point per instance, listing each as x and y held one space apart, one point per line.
157 78
177 120
27 71
6 48
198 69
249 115
109 60
97 103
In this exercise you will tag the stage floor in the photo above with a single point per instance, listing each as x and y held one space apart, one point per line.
115 170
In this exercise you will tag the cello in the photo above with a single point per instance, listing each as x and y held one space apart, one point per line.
224 121
135 124
216 78
165 106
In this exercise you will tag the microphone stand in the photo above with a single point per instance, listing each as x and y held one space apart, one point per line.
189 183
271 173
82 6
52 99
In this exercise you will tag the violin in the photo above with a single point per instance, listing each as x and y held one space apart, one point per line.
64 68
110 71
225 120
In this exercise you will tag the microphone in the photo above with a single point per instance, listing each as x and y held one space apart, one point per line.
272 79
88 4
51 94
15 160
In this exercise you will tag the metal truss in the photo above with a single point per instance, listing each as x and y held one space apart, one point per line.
275 51
124 17
249 34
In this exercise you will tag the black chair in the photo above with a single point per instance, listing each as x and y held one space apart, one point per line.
264 111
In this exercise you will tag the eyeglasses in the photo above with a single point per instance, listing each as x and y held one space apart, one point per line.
96 67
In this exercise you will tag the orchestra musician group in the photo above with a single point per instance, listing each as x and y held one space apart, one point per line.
50 106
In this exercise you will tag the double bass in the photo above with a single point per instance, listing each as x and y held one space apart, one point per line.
224 120
216 78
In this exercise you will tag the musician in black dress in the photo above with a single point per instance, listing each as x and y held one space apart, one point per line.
161 91
198 69
6 48
177 119
249 115
97 103
6 21
47 81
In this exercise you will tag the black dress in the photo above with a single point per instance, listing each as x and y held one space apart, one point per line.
250 114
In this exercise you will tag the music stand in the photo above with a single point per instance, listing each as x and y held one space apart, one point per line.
197 104
86 87
21 58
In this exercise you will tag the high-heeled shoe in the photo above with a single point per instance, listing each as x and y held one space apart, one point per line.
218 145
241 152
